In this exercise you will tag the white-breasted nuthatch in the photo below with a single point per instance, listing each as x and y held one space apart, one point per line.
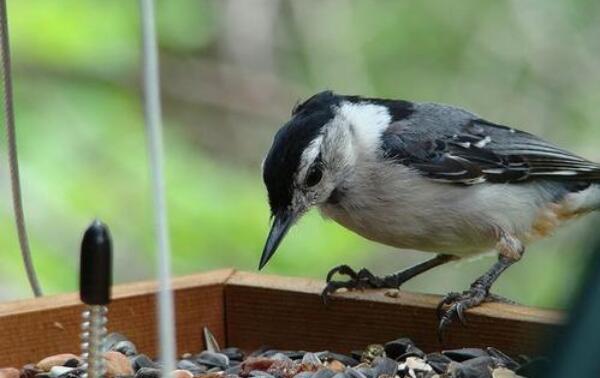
422 176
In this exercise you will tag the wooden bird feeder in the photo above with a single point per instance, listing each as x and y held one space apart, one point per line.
249 310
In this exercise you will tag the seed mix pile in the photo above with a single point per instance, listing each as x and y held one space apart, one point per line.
399 358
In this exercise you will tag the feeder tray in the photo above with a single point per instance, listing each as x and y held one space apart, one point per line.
249 310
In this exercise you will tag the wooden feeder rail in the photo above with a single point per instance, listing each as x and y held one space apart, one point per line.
249 310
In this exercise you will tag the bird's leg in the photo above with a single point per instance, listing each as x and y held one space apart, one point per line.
364 279
511 250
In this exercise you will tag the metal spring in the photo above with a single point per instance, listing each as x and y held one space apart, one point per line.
93 334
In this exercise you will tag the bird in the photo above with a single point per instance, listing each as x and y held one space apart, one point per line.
422 176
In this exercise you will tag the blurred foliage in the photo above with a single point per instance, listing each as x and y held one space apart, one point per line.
231 71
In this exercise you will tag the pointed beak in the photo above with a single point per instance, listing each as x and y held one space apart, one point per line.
281 224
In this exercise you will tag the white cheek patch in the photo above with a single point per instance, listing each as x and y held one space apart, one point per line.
338 148
367 121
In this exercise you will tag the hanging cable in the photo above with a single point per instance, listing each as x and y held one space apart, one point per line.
152 114
9 116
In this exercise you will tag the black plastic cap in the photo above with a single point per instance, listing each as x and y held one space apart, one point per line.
95 277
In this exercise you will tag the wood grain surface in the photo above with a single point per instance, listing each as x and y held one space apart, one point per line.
249 310
289 313
35 328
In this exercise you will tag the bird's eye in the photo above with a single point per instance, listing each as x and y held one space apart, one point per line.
314 176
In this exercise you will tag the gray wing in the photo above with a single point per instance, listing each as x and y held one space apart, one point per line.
475 151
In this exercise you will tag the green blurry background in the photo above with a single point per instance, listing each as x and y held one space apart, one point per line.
231 71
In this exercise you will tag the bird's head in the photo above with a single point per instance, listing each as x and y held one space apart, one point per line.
313 155
295 171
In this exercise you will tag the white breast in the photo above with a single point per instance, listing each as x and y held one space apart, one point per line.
400 208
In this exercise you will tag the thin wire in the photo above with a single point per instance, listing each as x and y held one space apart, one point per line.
13 161
152 114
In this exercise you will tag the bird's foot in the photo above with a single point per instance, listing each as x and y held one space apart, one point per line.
499 299
363 279
457 303
453 305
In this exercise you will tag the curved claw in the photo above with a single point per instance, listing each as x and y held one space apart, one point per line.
363 279
325 295
457 310
444 323
341 269
460 313
331 288
448 299
326 292
439 310
459 303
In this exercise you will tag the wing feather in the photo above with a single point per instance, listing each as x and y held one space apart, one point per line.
480 151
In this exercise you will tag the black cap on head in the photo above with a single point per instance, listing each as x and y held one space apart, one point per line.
95 278
290 142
